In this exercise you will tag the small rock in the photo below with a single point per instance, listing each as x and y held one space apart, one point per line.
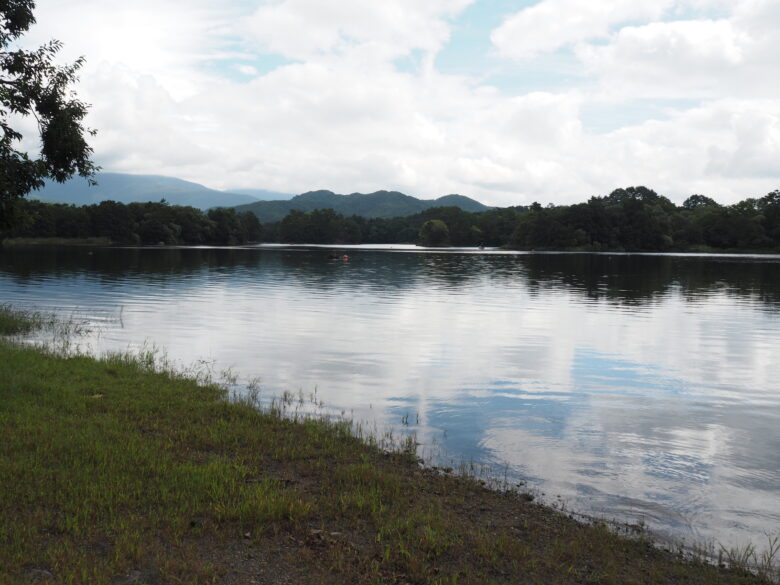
130 578
38 575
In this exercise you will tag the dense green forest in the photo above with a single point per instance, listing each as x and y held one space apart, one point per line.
385 204
631 219
134 223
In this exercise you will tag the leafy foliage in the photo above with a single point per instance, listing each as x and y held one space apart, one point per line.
31 84
434 232
136 223
384 204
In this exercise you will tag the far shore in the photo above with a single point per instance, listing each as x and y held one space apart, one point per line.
107 243
97 242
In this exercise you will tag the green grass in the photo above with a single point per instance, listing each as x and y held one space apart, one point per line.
109 468
15 322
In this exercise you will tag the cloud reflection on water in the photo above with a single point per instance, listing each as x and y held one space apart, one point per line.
635 386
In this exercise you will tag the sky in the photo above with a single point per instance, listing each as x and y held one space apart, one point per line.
508 102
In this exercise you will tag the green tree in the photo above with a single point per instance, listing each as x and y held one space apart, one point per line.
696 201
228 228
31 84
497 225
294 228
434 232
351 230
113 220
250 225
324 226
770 209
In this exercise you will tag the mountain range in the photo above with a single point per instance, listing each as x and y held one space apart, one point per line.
126 188
262 194
267 205
383 204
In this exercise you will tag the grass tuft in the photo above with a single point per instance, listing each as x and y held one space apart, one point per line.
16 322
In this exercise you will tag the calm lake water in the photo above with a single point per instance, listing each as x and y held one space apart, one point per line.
636 387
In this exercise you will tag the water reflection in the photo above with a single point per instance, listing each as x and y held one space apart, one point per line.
633 386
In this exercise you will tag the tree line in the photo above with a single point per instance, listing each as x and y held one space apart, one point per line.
630 219
637 218
134 223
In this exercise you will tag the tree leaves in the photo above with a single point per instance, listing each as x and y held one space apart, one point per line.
33 84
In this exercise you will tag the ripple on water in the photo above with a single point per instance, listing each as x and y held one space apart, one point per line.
636 387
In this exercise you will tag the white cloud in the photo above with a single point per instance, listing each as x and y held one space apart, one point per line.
751 146
551 24
699 44
140 125
303 29
312 126
247 70
342 116
722 149
169 39
631 49
760 16
701 58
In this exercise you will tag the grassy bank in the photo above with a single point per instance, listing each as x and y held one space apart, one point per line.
111 472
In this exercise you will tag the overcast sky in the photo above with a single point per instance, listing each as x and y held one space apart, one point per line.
505 101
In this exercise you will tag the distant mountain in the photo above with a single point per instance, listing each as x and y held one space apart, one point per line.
263 194
465 203
138 188
267 205
384 204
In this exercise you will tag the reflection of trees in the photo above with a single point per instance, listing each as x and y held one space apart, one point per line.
627 279
638 279
616 278
381 271
113 262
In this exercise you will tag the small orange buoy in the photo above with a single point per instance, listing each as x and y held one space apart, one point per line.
345 257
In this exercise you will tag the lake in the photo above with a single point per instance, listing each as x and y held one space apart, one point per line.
642 388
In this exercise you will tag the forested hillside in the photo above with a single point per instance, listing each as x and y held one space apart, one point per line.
384 204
